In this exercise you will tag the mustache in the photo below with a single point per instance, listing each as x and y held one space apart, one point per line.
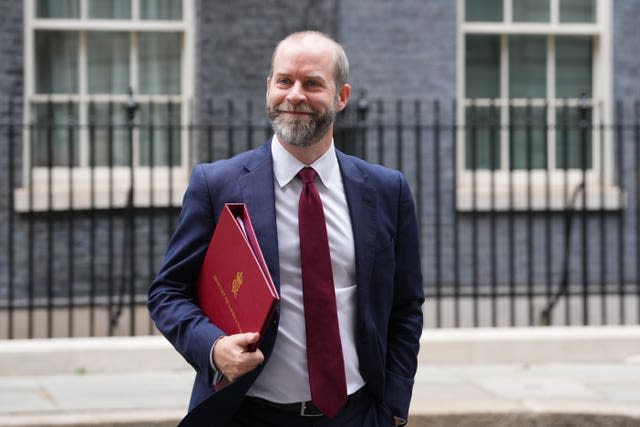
299 108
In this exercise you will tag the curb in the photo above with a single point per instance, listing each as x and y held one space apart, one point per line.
605 344
480 419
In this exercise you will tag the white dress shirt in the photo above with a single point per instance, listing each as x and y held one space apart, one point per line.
285 378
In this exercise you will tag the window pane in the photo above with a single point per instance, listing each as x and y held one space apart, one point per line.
160 134
108 135
573 67
159 63
56 62
58 9
577 11
531 10
483 10
161 9
108 62
482 138
54 135
573 139
482 67
527 146
527 67
110 9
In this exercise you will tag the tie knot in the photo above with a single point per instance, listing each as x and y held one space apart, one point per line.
307 175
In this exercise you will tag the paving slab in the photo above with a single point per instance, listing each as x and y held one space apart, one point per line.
83 391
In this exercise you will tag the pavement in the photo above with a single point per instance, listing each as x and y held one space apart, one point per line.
466 378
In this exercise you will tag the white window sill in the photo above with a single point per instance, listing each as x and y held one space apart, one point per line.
538 198
57 191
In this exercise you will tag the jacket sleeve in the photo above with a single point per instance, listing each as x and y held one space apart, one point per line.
405 324
172 298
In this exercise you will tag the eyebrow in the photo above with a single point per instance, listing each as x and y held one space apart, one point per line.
313 75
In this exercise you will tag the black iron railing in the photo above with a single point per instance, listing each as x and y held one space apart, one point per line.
530 221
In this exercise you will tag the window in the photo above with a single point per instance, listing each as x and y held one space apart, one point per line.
82 59
531 72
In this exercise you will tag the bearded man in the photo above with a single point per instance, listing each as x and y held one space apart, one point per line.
342 347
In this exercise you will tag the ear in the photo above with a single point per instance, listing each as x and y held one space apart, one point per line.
343 96
268 84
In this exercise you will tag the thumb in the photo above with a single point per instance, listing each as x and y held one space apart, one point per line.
248 338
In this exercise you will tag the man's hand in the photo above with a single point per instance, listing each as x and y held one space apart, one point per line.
232 357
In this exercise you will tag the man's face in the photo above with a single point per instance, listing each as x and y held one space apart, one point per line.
301 95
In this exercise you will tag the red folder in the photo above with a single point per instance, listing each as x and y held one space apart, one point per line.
235 290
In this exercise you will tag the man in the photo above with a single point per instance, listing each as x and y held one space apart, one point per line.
357 367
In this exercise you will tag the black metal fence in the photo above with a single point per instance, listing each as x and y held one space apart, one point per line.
529 213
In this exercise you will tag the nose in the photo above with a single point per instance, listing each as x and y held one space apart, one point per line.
296 94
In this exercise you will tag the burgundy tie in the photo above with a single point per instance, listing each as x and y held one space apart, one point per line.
324 349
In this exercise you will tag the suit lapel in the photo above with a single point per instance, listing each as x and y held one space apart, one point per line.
361 199
258 194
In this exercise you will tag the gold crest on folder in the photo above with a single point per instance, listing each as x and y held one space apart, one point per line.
237 282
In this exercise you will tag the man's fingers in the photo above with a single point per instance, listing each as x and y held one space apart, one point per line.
255 357
232 356
250 358
247 339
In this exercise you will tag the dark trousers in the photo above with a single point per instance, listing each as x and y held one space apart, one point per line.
355 413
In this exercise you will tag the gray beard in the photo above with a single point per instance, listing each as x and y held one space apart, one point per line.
302 132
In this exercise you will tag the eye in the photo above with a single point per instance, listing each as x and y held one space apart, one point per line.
313 84
283 81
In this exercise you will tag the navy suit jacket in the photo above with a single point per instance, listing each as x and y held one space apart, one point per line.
389 292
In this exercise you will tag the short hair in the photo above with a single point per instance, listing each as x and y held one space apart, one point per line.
341 63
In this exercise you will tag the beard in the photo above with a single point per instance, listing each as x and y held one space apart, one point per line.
301 131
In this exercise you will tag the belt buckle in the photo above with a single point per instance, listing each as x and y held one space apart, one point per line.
303 411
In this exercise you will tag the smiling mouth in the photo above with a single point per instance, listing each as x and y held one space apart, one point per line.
300 109
297 113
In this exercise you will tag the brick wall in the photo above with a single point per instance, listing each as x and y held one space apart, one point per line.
626 39
400 49
235 41
396 49
11 46
11 69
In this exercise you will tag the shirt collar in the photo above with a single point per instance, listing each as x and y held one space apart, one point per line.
285 166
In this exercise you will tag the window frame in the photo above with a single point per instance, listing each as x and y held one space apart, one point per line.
502 189
83 187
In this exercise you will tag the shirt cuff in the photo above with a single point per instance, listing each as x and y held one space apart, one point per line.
217 376
400 421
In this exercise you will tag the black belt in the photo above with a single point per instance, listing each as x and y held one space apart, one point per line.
304 409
